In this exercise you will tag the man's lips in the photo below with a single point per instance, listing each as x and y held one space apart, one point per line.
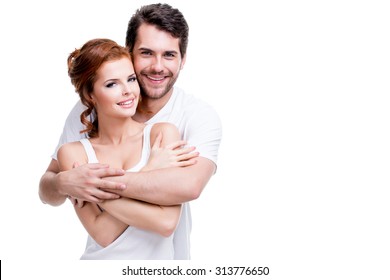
156 78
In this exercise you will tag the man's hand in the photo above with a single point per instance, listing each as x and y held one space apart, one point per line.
85 183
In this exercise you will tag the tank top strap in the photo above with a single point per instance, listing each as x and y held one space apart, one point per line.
146 140
89 151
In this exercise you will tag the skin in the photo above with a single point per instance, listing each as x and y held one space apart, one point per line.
115 96
157 63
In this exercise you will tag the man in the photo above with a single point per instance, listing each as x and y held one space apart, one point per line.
157 36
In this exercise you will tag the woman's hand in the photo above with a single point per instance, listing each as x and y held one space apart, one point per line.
173 155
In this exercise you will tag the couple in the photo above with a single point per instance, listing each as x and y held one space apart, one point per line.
152 218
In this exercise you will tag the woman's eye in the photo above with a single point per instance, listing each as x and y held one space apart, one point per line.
132 79
110 85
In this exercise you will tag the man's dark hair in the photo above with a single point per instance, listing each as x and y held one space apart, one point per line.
165 18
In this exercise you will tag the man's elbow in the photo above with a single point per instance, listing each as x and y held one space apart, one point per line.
47 193
195 188
41 197
198 178
53 202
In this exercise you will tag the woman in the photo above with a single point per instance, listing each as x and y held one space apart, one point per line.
103 75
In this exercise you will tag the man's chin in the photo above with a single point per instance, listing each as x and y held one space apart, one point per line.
155 93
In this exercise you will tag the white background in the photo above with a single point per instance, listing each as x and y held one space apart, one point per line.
302 88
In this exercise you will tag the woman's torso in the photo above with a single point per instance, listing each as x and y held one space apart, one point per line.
133 243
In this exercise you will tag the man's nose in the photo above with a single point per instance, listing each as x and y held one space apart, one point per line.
157 65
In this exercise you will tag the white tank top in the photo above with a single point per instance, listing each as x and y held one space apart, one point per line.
133 243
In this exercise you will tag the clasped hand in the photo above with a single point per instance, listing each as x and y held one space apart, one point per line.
87 182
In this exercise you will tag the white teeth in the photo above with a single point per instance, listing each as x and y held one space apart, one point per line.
128 102
156 79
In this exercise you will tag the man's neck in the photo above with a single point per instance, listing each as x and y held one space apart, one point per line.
150 107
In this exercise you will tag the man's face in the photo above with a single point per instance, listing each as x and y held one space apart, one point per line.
157 61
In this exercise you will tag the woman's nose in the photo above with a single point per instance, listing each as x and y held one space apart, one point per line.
126 90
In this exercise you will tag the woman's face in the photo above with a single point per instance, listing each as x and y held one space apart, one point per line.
116 91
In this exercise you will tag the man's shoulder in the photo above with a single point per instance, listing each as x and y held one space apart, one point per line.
77 109
189 101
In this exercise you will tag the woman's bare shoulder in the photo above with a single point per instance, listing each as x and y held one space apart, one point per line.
164 127
71 152
168 130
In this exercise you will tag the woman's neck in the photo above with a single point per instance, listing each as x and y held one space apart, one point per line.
117 131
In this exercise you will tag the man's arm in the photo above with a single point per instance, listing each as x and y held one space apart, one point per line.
169 186
176 185
82 182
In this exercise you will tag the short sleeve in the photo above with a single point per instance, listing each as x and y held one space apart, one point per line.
72 128
204 131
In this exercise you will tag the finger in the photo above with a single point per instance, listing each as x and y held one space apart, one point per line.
186 163
72 200
80 203
176 145
184 150
157 141
108 172
97 166
104 195
187 156
110 185
93 199
92 166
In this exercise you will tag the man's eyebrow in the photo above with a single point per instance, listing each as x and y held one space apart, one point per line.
150 50
171 52
144 49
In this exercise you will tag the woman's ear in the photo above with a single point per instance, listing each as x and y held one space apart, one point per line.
92 99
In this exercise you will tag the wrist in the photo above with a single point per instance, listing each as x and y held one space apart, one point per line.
58 184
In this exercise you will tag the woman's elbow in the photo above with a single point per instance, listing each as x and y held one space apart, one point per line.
103 239
168 224
167 231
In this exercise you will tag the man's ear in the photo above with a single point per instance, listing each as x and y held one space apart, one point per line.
183 61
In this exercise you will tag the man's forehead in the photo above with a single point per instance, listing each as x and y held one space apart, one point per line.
150 37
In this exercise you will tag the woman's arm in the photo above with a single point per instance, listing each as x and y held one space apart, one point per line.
101 226
159 219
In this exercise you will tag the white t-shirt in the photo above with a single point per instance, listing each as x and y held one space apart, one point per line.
198 124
